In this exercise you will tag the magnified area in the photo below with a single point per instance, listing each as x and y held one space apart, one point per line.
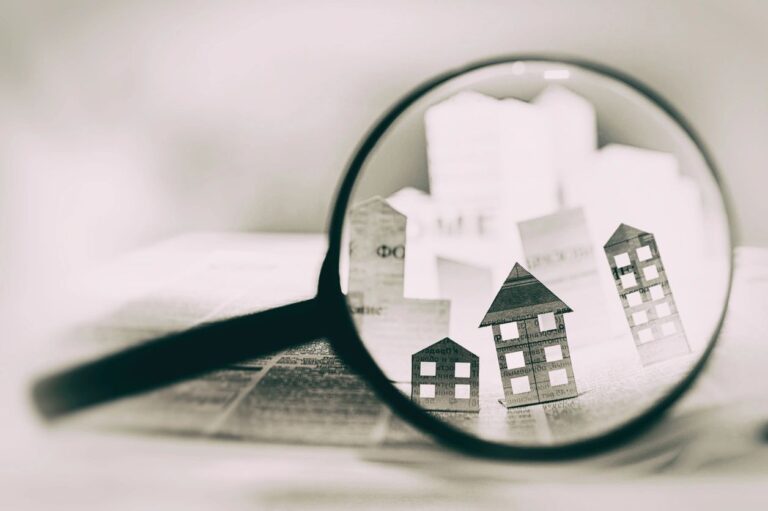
535 253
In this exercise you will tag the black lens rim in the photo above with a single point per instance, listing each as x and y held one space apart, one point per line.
347 343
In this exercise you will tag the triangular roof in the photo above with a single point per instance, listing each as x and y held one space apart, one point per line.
522 295
447 341
376 203
623 233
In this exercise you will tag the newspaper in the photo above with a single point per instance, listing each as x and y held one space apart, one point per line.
306 395
303 395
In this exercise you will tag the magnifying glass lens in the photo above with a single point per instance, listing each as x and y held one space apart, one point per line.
535 253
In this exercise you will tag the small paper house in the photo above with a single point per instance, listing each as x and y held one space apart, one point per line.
445 376
645 294
531 342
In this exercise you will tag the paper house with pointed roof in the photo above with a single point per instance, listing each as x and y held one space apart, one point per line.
445 377
643 287
531 342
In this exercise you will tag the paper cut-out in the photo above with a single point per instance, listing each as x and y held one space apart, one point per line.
445 377
531 341
376 250
391 326
645 294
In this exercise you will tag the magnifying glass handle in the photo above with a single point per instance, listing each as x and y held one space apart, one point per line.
176 357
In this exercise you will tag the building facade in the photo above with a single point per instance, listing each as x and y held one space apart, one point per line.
643 287
446 376
531 341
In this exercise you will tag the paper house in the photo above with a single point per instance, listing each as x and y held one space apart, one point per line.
445 376
645 294
531 342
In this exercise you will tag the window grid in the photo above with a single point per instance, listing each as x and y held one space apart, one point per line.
553 353
634 298
644 253
515 359
657 292
509 331
651 272
640 317
547 322
628 280
520 385
427 391
622 260
558 377
427 369
461 369
668 328
461 391
645 335
663 310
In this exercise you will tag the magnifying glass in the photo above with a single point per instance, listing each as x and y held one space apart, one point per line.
528 258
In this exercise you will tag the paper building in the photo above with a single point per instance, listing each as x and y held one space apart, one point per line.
376 250
531 341
445 376
391 326
645 294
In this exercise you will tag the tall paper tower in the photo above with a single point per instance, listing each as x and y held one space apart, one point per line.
643 287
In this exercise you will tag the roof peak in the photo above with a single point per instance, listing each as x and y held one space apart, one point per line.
623 233
376 200
521 291
519 272
445 340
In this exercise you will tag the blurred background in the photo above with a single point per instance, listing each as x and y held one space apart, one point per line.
122 123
